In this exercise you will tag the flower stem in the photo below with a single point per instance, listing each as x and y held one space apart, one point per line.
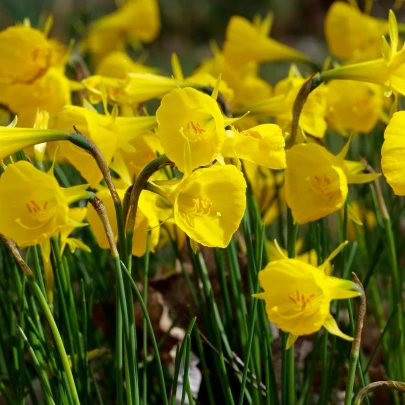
48 314
354 354
311 84
375 386
290 354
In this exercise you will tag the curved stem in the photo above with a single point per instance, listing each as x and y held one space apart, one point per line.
354 354
375 386
311 84
139 185
48 314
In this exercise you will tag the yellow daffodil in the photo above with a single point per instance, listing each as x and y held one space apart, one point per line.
76 215
392 162
128 163
13 139
263 144
146 219
388 71
191 128
50 92
245 42
138 87
209 204
280 105
31 73
26 54
107 133
136 20
36 206
298 297
309 257
316 181
350 34
98 128
118 64
248 88
353 106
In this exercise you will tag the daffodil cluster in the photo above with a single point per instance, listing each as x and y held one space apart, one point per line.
222 127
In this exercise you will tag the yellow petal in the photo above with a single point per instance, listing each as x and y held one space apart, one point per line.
393 149
332 327
210 203
290 341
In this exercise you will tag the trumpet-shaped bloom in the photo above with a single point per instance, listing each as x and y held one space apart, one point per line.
146 219
191 128
353 106
13 140
118 64
388 71
98 128
263 144
25 55
393 149
280 105
209 204
245 42
248 88
309 257
50 92
36 206
298 297
136 88
107 133
136 20
350 34
316 181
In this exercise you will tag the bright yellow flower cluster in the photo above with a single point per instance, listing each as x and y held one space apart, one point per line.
223 127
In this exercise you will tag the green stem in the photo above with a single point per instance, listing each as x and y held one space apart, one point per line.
58 340
247 353
290 354
354 354
145 326
151 332
397 292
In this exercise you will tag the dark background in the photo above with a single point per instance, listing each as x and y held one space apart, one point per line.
188 25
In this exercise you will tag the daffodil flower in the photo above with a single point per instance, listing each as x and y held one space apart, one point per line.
191 127
388 71
136 20
32 59
351 34
246 85
298 296
118 64
280 105
316 182
353 106
14 139
392 162
50 92
245 42
263 144
32 73
36 206
209 204
107 132
138 87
